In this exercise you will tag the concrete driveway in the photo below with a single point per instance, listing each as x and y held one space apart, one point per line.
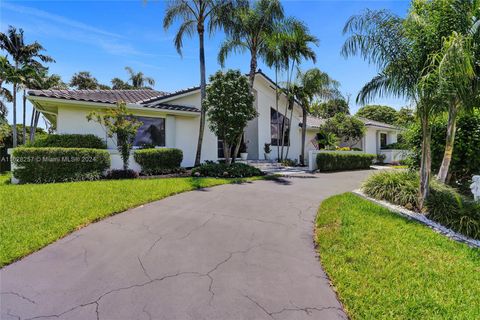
229 252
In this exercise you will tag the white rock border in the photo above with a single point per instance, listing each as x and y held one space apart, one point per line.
412 215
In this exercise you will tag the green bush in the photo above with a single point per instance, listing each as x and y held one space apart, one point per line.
444 204
331 161
159 161
235 170
42 165
90 141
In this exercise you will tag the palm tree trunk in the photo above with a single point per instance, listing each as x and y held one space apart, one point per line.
24 117
203 85
253 68
304 134
447 156
14 129
276 107
291 106
32 121
35 124
426 161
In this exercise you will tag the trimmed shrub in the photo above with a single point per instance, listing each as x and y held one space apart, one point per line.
222 170
42 165
117 174
331 161
90 141
159 161
444 204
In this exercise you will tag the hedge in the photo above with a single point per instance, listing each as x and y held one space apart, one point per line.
234 170
337 161
69 141
159 161
42 165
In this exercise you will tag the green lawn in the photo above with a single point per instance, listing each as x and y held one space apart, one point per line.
386 267
34 215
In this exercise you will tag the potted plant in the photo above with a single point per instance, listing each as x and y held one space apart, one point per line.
243 151
267 150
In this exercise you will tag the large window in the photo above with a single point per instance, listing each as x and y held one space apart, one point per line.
152 132
278 122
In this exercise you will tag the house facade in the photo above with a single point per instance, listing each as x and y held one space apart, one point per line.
172 120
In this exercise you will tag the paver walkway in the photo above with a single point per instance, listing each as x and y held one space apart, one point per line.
229 252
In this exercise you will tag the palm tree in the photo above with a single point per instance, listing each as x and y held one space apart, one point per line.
381 38
310 85
249 30
119 84
196 16
138 79
43 81
23 55
295 47
451 75
5 94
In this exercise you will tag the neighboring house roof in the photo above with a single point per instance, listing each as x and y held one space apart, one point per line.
315 123
100 96
374 123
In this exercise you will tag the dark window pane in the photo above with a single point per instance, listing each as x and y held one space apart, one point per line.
277 124
152 132
383 140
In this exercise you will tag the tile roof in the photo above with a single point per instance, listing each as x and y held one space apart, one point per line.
314 122
100 96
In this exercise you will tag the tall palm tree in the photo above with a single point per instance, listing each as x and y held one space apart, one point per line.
309 85
138 79
249 30
451 75
295 47
23 55
197 16
396 48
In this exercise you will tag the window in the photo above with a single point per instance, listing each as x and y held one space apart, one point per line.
152 132
277 124
383 140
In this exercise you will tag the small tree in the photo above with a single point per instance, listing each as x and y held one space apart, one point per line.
380 113
344 126
229 104
330 108
120 124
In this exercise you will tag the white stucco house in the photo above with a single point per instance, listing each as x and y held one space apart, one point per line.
172 120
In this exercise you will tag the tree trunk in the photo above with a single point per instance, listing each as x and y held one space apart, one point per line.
226 152
253 68
447 156
291 106
276 107
32 121
426 162
35 124
237 147
304 134
24 117
14 129
203 87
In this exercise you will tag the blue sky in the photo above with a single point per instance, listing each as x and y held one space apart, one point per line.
105 36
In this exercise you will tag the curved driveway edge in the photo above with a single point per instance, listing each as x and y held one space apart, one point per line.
229 252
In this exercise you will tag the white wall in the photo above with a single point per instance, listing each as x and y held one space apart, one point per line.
266 101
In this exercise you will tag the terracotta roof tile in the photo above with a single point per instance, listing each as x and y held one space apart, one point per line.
101 96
